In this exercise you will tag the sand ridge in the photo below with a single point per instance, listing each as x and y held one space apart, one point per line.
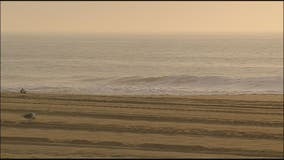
188 126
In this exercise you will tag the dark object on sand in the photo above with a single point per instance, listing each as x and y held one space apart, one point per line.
30 115
23 91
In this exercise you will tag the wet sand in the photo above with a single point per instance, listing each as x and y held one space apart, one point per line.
77 126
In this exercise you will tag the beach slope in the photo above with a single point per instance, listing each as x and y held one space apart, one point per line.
76 126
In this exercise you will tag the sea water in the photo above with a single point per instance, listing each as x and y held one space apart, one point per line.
111 64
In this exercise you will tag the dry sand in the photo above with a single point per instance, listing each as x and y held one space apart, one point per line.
76 126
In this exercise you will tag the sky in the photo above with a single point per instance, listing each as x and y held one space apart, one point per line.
141 17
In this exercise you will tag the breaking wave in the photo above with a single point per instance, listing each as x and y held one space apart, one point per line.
170 85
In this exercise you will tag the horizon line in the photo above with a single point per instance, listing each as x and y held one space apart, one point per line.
144 33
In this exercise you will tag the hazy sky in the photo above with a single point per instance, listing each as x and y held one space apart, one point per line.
141 17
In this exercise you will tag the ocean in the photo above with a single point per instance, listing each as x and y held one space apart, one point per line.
116 64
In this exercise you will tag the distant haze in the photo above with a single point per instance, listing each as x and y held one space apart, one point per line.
141 17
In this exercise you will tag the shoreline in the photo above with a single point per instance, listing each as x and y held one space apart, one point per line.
252 97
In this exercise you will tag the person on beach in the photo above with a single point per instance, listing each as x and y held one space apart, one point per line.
23 91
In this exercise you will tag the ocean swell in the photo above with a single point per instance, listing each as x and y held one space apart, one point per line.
162 85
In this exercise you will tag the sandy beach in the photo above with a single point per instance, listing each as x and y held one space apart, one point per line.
142 80
74 126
